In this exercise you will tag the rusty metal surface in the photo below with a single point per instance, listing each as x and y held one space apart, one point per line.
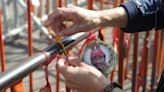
135 62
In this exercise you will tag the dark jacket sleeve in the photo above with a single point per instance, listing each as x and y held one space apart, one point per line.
143 15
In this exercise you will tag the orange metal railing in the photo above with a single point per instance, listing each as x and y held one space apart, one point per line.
2 47
139 69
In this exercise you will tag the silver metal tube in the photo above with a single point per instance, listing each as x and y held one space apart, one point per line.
15 13
15 73
15 31
28 65
34 18
4 15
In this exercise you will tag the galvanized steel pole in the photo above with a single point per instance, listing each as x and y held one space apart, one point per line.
28 65
5 14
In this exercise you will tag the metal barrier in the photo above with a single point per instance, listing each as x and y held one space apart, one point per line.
27 66
2 45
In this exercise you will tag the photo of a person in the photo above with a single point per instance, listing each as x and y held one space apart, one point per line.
100 56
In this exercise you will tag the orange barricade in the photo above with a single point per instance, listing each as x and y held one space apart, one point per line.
122 44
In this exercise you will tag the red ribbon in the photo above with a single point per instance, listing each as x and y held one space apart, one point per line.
47 88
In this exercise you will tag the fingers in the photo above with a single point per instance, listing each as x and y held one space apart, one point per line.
64 69
59 28
62 30
51 18
56 21
74 61
71 30
59 13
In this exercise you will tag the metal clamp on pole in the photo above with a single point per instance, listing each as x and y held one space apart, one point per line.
28 65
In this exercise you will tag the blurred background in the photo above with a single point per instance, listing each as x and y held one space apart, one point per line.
23 35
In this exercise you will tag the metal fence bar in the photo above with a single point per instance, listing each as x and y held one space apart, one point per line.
146 64
5 15
18 87
18 72
30 48
90 4
114 44
135 62
154 62
127 76
59 4
65 3
57 81
142 64
40 8
102 32
47 7
28 65
121 75
14 32
2 48
15 13
34 18
159 56
75 2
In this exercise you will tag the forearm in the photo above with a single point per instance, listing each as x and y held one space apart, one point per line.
133 15
116 17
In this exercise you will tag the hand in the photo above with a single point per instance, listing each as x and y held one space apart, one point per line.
83 20
45 89
83 78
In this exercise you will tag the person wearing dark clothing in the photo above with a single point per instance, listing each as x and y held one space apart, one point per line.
132 16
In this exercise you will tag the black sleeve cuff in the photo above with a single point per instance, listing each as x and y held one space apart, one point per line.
136 21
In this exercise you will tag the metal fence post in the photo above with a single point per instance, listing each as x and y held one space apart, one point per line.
135 62
154 63
30 48
2 47
3 65
121 75
5 15
47 7
102 32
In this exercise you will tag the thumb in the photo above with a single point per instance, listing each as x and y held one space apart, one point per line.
63 68
60 65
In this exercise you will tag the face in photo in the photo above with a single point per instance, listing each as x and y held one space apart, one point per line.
101 56
98 57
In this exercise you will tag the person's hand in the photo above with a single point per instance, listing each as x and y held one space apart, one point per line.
83 20
83 78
